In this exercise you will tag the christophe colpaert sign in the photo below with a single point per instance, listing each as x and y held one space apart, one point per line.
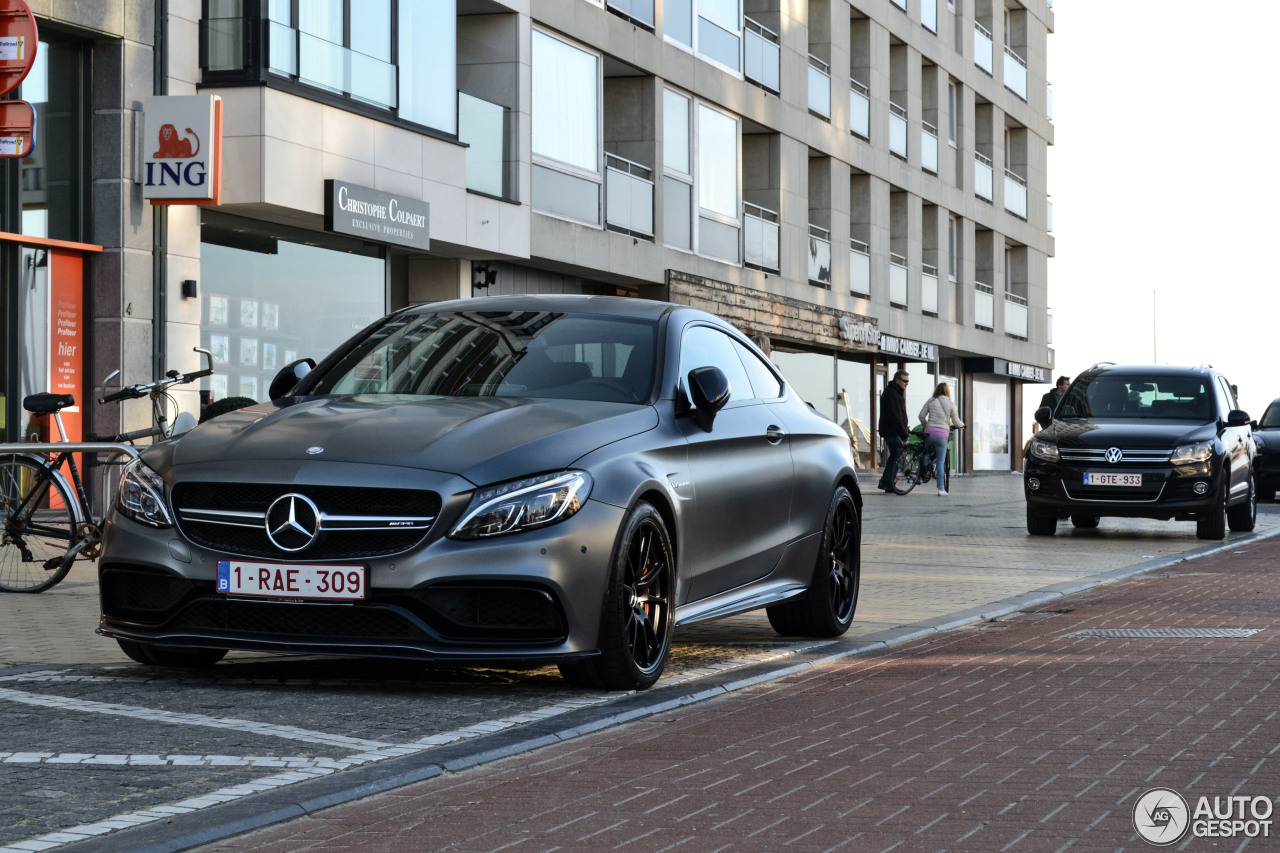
182 149
375 215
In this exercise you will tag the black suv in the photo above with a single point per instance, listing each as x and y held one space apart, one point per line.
1266 466
1143 442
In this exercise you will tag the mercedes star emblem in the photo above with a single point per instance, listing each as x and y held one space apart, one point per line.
293 522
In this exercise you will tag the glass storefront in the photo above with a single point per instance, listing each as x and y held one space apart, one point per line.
272 294
853 408
989 429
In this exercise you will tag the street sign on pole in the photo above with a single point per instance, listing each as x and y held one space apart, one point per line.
18 43
17 128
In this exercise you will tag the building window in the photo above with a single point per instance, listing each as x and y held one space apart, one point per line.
712 28
953 112
700 158
677 182
953 248
565 113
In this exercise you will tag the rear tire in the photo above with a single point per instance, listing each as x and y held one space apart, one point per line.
39 526
1041 525
1242 518
639 611
908 469
827 608
152 655
1213 525
1085 522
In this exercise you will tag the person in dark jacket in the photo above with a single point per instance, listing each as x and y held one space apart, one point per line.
1056 393
893 425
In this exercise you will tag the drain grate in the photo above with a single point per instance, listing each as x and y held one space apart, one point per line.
1171 633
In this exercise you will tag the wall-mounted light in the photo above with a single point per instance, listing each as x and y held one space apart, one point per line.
189 288
483 275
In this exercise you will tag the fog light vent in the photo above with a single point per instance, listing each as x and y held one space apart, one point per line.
1201 487
1033 483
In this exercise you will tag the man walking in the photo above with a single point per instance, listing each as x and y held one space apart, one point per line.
893 426
1055 394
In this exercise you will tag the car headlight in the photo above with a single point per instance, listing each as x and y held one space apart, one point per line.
1189 453
141 496
523 504
1259 441
1044 450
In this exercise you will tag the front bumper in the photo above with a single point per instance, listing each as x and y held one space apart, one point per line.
1166 492
532 596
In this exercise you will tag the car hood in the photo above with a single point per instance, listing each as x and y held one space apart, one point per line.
1138 433
484 439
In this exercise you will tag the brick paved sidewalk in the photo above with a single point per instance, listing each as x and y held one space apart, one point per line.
1012 735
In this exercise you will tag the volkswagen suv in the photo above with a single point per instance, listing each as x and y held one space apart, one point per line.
1143 441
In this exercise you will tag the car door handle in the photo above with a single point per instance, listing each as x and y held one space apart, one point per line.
775 434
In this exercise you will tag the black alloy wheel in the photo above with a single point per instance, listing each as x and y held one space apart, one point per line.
827 608
1243 517
639 616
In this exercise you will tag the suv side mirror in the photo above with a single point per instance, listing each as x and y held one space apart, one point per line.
1044 415
1237 417
290 375
709 389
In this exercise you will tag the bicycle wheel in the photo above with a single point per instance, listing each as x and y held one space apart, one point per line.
908 470
39 524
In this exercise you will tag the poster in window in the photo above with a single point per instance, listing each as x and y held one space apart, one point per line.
268 353
217 310
271 316
217 386
248 352
249 387
290 355
248 313
220 349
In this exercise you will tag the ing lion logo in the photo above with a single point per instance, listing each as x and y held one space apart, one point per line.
175 147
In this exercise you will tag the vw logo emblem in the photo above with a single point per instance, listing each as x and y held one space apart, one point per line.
1114 455
293 522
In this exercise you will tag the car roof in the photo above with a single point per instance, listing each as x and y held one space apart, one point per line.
618 306
1153 370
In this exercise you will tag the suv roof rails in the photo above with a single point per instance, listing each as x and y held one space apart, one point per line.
1102 364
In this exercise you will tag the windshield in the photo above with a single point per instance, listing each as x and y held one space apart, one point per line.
1163 398
1271 417
500 354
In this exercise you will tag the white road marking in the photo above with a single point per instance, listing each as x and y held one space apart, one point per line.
290 762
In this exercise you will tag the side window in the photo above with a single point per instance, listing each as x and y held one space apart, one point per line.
764 383
703 346
1226 400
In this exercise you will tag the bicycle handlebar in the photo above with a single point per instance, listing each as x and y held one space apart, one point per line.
134 392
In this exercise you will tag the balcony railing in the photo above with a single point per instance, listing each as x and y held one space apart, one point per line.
982 56
819 87
859 268
639 11
982 177
486 129
897 280
1015 315
760 55
819 256
928 147
1015 195
1015 73
984 306
929 289
929 15
859 109
897 130
628 196
760 237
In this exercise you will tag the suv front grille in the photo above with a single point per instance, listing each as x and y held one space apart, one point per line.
355 523
1098 456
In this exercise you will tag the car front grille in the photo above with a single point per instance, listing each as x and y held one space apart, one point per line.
1098 456
1148 492
355 523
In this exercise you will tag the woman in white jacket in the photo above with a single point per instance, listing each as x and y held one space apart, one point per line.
938 416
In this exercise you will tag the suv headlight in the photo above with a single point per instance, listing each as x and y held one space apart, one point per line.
1259 441
523 504
1044 450
1190 453
141 496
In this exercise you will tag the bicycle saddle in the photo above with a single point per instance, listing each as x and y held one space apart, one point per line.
45 403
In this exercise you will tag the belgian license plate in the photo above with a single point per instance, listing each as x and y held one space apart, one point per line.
1097 479
282 580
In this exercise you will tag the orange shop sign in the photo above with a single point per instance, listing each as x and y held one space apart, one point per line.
182 153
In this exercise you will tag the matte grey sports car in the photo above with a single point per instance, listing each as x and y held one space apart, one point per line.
516 479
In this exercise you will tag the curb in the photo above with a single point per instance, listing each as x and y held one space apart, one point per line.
183 832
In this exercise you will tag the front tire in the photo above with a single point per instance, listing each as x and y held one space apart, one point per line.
639 614
827 609
908 470
1041 525
1085 522
152 655
1242 518
1213 524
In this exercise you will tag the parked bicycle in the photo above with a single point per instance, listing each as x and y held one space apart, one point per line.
49 521
918 462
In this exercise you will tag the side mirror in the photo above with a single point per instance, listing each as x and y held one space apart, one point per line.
1044 415
709 390
290 375
1237 417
